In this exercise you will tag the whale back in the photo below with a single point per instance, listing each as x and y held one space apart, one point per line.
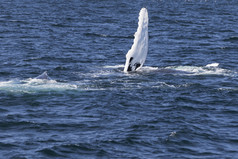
44 75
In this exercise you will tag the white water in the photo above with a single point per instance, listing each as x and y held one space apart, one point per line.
139 48
34 85
210 69
42 85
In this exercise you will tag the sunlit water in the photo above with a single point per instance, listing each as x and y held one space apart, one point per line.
181 104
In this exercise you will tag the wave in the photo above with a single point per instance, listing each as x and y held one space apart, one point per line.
228 89
108 36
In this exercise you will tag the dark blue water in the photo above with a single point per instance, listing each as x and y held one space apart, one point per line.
176 106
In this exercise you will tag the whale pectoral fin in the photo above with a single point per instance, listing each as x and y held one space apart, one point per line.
136 56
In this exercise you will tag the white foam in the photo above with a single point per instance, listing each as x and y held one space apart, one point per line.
210 69
228 89
148 69
116 66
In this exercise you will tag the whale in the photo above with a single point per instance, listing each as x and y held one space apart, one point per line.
41 83
136 56
43 76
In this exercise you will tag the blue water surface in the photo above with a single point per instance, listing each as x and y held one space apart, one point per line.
181 104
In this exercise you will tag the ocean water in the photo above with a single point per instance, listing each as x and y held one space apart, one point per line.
183 103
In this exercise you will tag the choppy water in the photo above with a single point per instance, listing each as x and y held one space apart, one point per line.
181 104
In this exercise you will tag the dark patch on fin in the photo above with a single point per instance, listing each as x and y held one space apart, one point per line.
137 65
130 67
131 59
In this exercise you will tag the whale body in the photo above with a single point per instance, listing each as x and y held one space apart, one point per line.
44 76
136 56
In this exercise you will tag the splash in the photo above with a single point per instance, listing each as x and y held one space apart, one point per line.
136 56
210 69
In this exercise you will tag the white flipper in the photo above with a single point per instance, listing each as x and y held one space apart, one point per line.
136 56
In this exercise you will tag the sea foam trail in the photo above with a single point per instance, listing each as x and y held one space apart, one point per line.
136 56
